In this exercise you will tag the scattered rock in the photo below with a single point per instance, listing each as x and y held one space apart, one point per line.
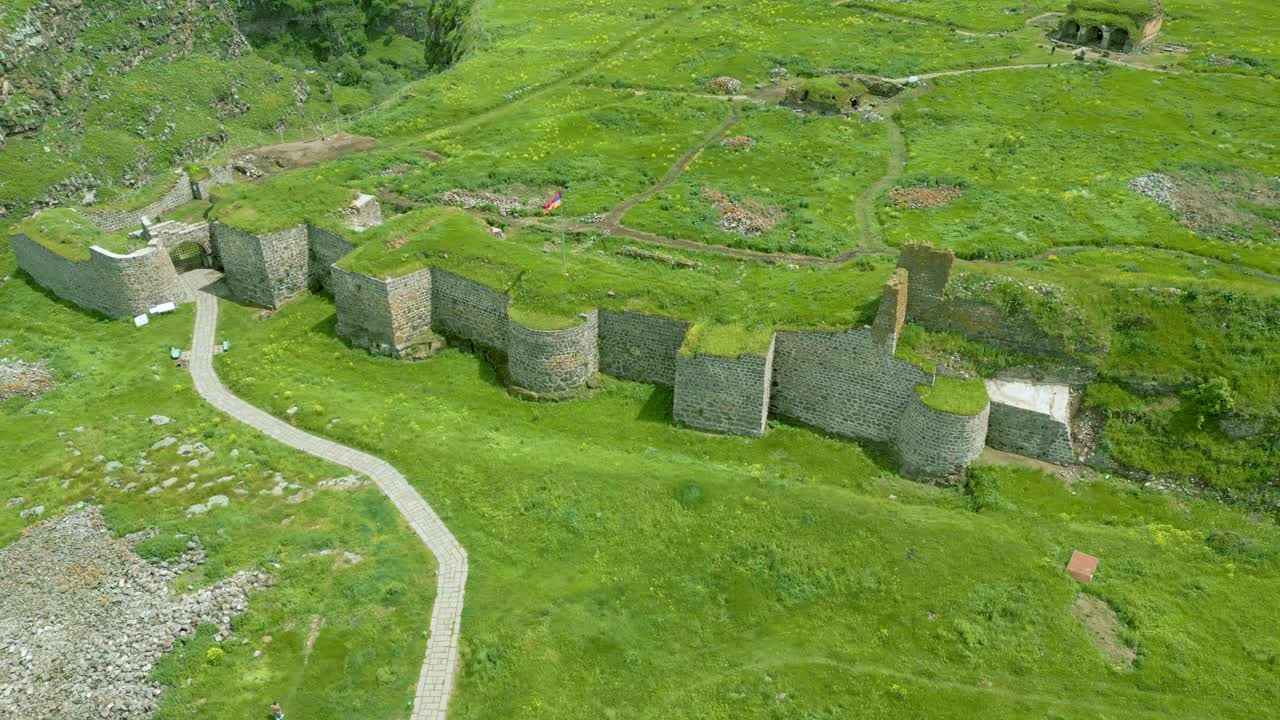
159 420
84 619
161 444
467 199
23 379
1157 186
725 84
745 217
29 513
347 482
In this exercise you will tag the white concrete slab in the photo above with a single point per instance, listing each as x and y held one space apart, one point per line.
1048 399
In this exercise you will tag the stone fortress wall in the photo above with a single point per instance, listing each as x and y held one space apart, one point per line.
640 347
724 394
382 316
113 220
553 361
848 383
114 285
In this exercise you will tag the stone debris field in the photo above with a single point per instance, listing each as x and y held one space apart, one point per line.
83 619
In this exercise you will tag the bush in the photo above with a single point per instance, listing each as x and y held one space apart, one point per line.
1211 399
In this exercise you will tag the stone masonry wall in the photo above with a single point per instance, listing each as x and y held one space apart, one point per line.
325 249
469 310
843 383
171 234
640 347
929 271
1029 433
892 312
217 176
113 220
383 316
114 285
724 394
552 361
267 270
934 444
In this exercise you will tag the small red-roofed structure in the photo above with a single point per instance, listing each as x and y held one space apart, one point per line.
1082 566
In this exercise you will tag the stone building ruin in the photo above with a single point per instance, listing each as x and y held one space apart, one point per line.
1121 26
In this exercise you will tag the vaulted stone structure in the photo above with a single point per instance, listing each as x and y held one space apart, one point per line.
1122 26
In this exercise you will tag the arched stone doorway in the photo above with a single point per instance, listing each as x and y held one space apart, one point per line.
1070 31
189 256
1119 39
1093 36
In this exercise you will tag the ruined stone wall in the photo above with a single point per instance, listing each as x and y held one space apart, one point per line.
469 310
382 316
640 347
724 394
325 249
892 312
843 383
929 270
113 220
1029 433
934 444
114 285
217 176
553 361
267 270
364 212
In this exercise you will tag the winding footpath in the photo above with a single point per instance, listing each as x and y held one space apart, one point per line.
435 683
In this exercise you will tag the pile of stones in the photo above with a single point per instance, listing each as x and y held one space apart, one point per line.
23 379
725 84
83 619
742 142
466 199
1157 186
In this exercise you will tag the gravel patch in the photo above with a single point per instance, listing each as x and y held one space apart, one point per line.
24 379
83 619
1157 186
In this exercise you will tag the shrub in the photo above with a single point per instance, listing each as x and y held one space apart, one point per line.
214 655
1211 399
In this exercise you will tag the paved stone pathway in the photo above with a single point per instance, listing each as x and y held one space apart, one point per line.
435 683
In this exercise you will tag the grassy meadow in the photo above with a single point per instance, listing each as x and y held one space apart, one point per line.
623 567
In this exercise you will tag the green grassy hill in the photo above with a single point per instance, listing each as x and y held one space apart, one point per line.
1124 208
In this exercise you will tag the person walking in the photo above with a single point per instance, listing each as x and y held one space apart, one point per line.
276 712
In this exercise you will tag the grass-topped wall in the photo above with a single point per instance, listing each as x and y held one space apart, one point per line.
70 234
285 201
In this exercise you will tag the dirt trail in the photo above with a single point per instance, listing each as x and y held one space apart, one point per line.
611 221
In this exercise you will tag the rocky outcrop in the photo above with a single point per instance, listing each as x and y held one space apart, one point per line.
54 50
